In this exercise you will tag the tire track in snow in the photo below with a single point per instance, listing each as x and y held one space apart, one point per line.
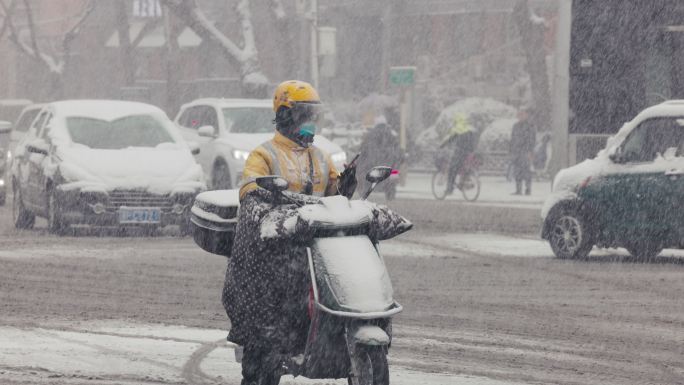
192 371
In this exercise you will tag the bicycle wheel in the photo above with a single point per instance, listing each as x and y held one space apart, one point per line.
439 184
470 186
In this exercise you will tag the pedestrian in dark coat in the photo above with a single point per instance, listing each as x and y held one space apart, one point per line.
521 150
379 147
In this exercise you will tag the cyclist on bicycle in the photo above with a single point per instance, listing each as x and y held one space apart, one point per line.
462 140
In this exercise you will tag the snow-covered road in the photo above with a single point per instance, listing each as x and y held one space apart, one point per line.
119 352
479 309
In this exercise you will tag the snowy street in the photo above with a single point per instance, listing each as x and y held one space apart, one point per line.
378 192
496 191
480 309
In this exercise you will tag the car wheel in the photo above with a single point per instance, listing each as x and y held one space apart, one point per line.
220 177
570 237
23 219
644 250
54 219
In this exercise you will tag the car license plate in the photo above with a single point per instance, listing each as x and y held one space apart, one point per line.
139 215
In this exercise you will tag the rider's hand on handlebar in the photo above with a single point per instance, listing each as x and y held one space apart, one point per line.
346 183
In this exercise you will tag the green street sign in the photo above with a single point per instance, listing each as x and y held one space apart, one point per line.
402 76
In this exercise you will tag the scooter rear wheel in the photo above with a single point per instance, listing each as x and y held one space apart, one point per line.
373 369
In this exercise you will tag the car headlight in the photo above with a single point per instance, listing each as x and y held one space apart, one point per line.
339 157
240 154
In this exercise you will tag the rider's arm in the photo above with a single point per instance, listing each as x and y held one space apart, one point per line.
258 164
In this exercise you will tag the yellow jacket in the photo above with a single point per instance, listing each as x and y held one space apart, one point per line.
283 157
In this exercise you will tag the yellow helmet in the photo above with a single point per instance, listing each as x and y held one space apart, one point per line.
292 91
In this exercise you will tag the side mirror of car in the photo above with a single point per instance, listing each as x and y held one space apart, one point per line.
207 132
616 155
194 148
5 127
375 176
37 147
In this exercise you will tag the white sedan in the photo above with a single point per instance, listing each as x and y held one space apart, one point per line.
104 163
227 130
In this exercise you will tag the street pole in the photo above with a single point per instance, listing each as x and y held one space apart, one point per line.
561 89
314 43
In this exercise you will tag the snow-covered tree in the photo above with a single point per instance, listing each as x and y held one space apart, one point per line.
128 46
532 29
244 54
55 59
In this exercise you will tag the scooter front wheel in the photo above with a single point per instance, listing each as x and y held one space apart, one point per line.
371 366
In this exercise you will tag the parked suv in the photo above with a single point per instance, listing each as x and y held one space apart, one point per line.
227 130
631 195
104 163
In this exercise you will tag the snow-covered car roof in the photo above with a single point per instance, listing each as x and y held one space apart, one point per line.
227 103
103 109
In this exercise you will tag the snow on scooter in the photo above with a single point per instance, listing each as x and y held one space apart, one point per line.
350 304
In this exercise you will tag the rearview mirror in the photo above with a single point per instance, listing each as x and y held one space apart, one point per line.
194 148
375 176
378 174
5 127
616 155
37 148
207 132
272 183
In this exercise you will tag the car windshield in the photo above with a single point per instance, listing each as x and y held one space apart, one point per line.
249 120
129 131
654 137
25 121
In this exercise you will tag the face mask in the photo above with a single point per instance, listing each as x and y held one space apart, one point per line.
307 129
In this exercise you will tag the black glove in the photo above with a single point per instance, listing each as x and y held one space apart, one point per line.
346 183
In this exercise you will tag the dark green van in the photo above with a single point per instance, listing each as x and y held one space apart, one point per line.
629 196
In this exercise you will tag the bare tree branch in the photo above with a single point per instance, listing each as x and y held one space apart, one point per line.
14 36
278 9
31 28
245 57
54 64
76 29
8 13
146 29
